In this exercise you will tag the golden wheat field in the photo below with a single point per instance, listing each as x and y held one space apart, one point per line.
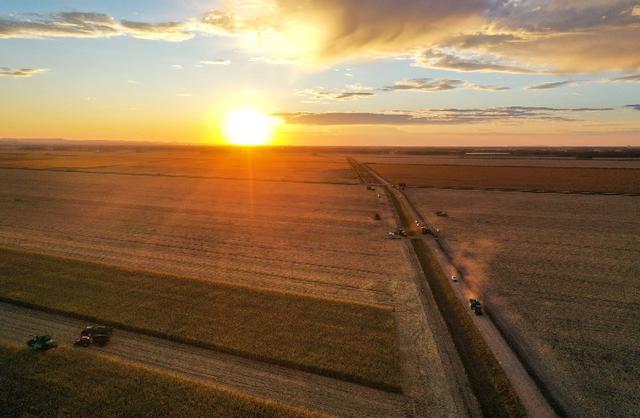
314 244
316 239
225 163
562 272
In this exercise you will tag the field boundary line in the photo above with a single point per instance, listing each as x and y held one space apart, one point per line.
354 166
433 272
363 174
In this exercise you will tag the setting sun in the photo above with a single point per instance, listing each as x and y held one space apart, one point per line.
249 127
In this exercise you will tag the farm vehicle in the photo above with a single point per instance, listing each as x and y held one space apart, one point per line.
100 335
397 234
475 306
424 230
41 342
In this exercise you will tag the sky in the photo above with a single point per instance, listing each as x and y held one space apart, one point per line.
335 72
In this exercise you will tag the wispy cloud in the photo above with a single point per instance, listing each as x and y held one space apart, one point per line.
320 95
216 62
633 106
21 72
439 116
631 78
359 87
428 85
442 84
90 25
425 84
553 85
177 67
432 58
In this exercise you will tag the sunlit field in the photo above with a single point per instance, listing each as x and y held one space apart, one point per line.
559 272
323 208
300 332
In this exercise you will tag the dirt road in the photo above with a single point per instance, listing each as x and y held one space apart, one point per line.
526 388
295 388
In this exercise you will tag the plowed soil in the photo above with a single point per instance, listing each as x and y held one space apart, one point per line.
558 179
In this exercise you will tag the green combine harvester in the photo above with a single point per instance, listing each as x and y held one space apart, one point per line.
41 342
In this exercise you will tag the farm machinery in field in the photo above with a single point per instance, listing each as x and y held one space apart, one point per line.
475 306
41 342
397 234
94 334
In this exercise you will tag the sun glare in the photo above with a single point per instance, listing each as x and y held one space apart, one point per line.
249 127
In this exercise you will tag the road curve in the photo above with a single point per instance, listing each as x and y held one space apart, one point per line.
526 388
291 387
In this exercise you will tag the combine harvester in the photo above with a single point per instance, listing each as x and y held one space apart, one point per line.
100 335
475 306
41 342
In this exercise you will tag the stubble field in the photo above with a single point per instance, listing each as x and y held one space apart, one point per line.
561 273
302 238
223 163
303 262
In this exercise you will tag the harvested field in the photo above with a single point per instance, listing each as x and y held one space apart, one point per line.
267 164
37 384
309 334
314 239
299 389
557 179
560 275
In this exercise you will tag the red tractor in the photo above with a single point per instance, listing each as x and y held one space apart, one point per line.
99 335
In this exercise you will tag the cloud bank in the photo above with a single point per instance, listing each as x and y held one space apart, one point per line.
439 116
425 85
